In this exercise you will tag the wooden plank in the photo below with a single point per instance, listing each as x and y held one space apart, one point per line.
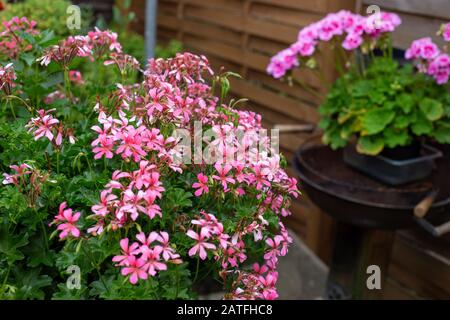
270 30
275 101
431 8
285 16
232 6
395 291
295 91
408 30
319 6
420 269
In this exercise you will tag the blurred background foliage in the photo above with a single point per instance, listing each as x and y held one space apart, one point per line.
52 14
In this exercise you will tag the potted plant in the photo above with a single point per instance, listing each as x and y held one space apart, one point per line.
381 111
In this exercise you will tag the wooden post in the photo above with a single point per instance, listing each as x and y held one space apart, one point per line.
355 249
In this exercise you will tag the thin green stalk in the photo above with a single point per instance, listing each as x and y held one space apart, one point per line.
12 109
6 278
196 270
44 231
67 84
9 97
178 282
96 266
57 161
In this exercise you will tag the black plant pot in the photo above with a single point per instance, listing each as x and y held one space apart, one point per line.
396 166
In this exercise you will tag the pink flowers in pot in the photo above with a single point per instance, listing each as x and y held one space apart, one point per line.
343 28
429 59
146 257
134 129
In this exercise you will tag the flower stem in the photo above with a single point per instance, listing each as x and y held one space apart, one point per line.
57 162
67 84
6 278
12 110
196 270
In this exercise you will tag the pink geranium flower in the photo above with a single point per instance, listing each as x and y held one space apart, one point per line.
446 32
152 258
223 170
127 252
67 227
352 41
43 125
201 245
106 198
135 267
201 185
167 252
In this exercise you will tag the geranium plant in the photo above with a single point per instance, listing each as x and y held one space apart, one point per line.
375 100
102 196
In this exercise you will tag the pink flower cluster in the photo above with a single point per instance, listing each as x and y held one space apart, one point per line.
7 78
66 51
103 41
146 257
93 45
76 77
131 123
12 41
124 62
131 142
429 59
45 125
66 222
210 229
446 32
260 282
16 178
137 193
349 28
54 96
423 48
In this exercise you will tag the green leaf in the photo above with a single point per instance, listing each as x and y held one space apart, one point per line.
442 135
395 137
401 122
431 108
28 58
370 145
37 253
53 79
422 126
375 120
10 244
29 283
405 102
